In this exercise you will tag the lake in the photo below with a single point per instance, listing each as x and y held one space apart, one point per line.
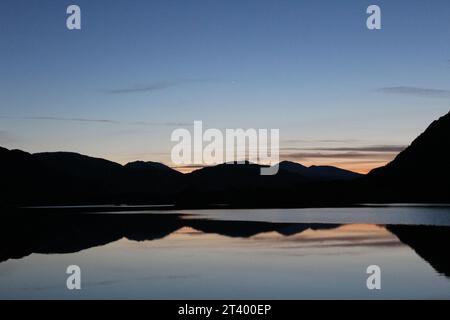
228 254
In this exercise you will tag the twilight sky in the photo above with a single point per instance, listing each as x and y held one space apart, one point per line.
339 93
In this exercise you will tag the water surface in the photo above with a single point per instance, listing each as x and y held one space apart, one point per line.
229 254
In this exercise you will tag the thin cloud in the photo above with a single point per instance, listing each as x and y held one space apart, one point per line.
321 141
359 162
105 121
342 155
156 86
165 124
59 119
377 148
417 91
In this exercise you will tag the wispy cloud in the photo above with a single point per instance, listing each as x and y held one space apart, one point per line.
104 121
342 155
351 162
155 86
164 124
320 141
61 119
376 148
417 91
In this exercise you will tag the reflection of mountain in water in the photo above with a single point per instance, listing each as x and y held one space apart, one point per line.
72 233
68 233
429 243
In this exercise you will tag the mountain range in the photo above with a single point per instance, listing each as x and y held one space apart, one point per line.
420 173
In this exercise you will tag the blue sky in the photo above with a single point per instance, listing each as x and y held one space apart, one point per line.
139 69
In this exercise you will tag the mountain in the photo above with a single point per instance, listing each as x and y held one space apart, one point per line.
419 173
150 166
22 177
319 173
243 185
241 175
72 178
79 166
235 184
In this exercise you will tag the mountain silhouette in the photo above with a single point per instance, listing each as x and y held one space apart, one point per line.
150 166
71 178
236 185
420 173
320 173
248 175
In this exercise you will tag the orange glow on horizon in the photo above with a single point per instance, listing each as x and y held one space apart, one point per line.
362 167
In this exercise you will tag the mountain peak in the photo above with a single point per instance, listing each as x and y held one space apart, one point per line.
287 164
323 173
147 165
428 153
421 172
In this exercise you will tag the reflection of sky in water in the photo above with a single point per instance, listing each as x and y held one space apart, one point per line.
398 215
187 264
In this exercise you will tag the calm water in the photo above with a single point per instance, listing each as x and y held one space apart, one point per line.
230 254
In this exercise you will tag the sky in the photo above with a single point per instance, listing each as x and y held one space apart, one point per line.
340 94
